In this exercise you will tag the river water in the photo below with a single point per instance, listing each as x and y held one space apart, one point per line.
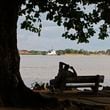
43 68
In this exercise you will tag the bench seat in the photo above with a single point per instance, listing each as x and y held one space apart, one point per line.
93 82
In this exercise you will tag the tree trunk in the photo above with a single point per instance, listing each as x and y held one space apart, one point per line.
9 57
13 92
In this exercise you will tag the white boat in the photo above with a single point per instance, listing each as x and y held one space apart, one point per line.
51 52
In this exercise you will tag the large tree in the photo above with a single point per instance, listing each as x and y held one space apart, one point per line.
69 13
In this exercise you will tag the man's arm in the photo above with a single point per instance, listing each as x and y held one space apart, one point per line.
74 71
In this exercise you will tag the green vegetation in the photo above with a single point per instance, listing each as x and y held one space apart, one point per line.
69 51
33 52
74 15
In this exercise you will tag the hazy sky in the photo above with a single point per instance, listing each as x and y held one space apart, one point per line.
51 39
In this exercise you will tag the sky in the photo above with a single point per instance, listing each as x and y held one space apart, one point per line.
51 38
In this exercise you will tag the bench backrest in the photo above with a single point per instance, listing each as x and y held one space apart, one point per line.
85 79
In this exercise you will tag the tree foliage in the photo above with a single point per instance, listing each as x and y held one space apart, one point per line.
78 24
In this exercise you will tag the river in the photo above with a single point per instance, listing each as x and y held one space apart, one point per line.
43 68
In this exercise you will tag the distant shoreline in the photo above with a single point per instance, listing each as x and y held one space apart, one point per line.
69 55
68 52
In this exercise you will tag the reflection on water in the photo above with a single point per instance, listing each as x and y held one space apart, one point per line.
43 68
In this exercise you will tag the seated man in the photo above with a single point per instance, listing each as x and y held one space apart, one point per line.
72 73
66 70
59 81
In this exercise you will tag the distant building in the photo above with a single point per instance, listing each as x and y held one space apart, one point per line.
51 52
24 52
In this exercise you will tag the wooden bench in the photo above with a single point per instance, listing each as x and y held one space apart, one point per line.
92 82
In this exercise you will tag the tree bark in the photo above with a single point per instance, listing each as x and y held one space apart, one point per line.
9 57
8 45
13 92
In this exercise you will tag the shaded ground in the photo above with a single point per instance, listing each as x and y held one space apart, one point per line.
82 100
75 100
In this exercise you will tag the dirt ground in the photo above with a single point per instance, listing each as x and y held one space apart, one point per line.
76 100
82 100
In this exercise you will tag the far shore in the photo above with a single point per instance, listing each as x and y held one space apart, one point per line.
71 55
86 55
64 52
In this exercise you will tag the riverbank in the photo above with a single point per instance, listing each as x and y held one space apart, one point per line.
82 100
74 100
63 52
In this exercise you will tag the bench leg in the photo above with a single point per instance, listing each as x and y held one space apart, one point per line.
95 89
